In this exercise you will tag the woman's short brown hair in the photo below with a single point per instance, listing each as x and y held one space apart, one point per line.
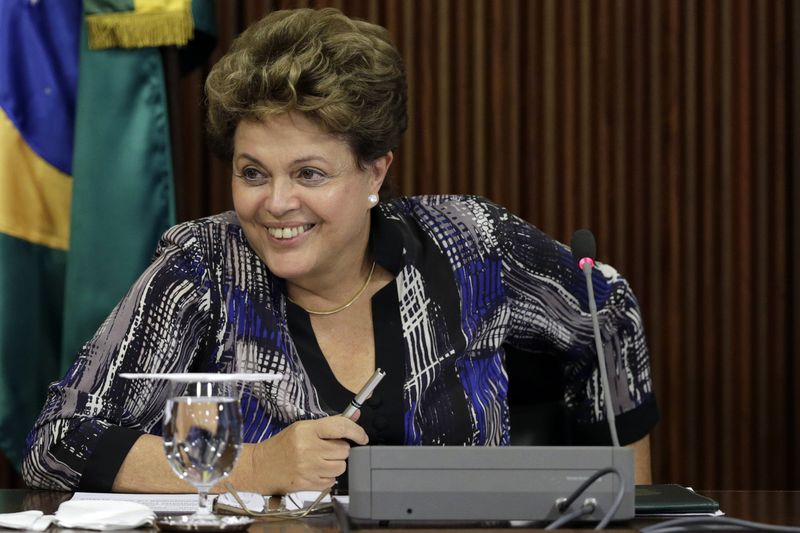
344 74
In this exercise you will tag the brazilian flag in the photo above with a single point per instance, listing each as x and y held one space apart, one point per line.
39 50
86 183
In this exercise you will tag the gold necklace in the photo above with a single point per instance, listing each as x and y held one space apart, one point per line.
343 307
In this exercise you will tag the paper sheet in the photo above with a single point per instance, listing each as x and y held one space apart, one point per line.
187 503
160 503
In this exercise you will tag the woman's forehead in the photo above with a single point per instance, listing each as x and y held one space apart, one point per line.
289 138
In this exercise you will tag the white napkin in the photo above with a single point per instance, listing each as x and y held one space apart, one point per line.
32 520
103 515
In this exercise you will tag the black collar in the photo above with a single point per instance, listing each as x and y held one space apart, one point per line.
392 237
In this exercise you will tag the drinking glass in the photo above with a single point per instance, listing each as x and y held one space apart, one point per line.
202 437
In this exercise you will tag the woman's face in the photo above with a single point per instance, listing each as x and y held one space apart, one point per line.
301 197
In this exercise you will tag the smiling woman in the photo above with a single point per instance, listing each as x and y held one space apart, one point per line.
321 276
304 204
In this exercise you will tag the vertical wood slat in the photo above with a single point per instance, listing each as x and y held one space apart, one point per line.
479 75
742 235
790 330
566 153
620 137
463 119
532 134
499 68
727 465
672 277
664 467
549 129
663 126
586 90
709 146
760 269
425 90
689 244
511 132
443 96
793 254
603 130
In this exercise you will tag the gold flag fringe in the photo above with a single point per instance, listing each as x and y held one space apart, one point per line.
139 30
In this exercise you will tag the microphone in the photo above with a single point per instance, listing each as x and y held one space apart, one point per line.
584 248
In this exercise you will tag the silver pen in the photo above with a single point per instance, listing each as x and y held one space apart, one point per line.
364 393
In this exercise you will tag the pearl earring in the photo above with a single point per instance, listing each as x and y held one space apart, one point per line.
373 199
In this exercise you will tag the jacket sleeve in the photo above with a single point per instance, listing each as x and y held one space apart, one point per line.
92 417
550 314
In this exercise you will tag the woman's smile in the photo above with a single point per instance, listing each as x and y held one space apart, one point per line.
286 234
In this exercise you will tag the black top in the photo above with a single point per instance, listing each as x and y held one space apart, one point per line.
382 414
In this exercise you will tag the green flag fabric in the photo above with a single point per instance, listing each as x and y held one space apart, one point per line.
122 197
123 192
31 296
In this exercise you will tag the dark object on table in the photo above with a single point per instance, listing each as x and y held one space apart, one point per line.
671 499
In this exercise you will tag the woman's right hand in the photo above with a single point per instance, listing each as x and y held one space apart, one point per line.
307 455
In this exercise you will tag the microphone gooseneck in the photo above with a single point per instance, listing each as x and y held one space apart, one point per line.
584 248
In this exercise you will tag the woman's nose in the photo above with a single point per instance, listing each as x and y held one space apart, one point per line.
282 197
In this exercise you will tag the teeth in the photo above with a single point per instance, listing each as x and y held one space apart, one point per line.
288 233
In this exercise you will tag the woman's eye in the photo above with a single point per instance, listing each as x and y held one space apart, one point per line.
311 175
251 175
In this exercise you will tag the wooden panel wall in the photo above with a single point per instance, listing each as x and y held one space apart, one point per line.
669 129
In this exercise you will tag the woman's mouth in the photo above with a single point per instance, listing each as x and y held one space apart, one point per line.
289 233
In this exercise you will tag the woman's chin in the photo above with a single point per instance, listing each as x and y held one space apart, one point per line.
287 272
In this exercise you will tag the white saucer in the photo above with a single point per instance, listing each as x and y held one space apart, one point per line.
217 523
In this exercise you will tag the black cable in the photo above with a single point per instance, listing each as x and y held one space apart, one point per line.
714 522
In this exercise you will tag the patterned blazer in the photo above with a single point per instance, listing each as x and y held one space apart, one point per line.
469 277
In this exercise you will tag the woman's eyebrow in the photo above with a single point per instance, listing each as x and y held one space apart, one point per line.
309 159
299 161
249 157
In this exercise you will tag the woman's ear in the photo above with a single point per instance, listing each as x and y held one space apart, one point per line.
379 167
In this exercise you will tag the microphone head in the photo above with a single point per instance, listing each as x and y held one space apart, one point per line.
583 245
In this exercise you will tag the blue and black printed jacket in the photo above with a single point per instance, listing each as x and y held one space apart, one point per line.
469 278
